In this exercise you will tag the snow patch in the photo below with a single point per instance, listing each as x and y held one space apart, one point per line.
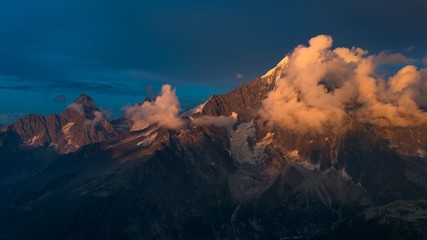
194 110
266 140
140 135
239 146
282 64
66 130
147 141
139 125
33 140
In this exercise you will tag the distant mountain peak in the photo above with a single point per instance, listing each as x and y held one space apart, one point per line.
84 105
85 100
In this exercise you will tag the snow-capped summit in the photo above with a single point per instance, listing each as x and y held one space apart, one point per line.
276 72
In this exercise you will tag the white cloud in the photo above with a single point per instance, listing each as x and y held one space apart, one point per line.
164 111
219 121
99 115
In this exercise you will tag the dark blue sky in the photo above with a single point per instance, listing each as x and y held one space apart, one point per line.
114 50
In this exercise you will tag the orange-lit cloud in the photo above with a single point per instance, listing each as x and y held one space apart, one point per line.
164 111
217 121
325 87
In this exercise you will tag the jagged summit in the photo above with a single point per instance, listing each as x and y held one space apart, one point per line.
84 99
275 73
247 98
83 106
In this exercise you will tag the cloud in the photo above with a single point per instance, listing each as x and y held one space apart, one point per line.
408 49
118 84
239 75
98 116
327 88
387 57
8 78
6 118
164 110
60 99
77 107
220 121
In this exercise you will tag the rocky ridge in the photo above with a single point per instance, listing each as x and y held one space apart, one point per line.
80 124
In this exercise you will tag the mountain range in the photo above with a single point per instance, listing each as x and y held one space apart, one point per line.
225 173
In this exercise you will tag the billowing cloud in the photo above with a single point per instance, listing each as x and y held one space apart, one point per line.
164 110
387 57
239 75
60 99
327 88
220 121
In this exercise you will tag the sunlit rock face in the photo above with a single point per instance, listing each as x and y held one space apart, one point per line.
245 100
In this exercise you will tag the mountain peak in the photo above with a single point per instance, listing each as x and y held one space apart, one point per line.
85 100
275 72
84 106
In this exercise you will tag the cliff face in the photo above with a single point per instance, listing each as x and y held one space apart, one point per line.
247 99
